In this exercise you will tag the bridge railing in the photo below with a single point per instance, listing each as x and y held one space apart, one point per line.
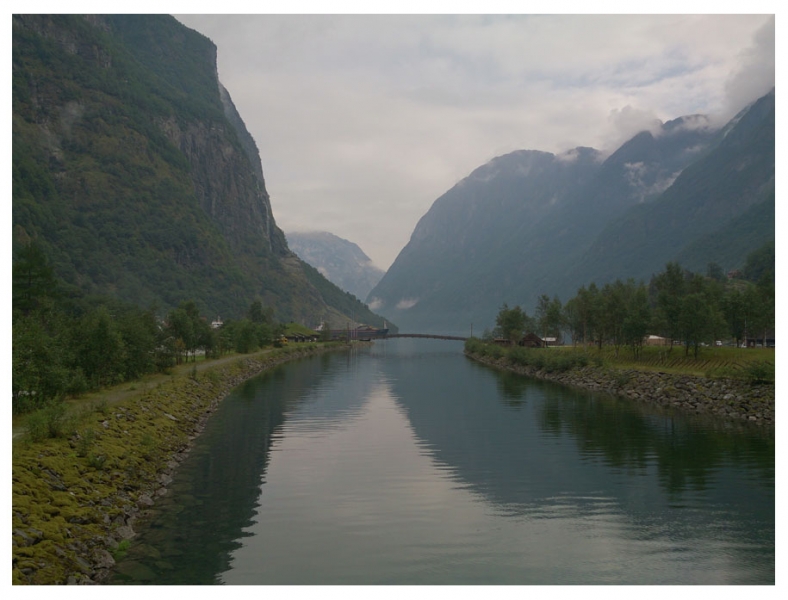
431 336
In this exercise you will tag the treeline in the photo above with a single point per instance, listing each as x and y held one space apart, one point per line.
66 343
679 305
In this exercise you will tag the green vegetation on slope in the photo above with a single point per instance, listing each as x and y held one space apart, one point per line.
81 477
136 176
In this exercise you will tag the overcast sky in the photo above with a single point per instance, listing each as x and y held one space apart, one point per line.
363 121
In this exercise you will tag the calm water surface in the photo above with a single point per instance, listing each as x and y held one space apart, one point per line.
406 463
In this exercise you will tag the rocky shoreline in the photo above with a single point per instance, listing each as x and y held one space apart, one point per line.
76 500
724 398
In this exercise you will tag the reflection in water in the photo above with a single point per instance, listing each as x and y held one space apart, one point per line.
406 463
211 500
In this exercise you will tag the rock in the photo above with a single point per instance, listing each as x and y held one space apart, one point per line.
103 559
124 532
145 500
83 565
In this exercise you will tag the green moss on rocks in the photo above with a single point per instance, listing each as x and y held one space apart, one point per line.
75 500
726 398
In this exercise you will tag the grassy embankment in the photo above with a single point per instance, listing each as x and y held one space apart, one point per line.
748 364
81 469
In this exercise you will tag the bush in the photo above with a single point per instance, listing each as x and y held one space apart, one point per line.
48 422
759 372
85 442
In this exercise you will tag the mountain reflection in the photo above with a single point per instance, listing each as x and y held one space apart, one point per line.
459 439
524 443
216 490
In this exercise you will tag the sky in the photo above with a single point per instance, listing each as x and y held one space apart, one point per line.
363 121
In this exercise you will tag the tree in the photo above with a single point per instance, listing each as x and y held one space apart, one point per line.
39 372
669 289
245 337
714 271
101 353
759 303
760 262
33 278
638 317
541 315
614 312
588 311
700 319
573 318
512 322
554 318
734 307
181 328
138 331
258 314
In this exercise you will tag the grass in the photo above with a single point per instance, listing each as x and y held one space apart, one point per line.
711 362
297 329
755 365
83 464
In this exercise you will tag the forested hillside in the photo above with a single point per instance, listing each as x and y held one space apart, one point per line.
532 223
719 209
134 173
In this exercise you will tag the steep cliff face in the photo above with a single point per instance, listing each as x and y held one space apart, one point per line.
135 173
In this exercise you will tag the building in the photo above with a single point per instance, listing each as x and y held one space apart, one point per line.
531 340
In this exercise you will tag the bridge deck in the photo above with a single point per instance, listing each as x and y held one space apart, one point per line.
426 335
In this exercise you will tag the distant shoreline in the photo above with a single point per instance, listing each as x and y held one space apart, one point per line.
725 398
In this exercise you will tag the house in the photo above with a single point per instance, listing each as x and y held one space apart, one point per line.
531 340
759 342
655 340
217 323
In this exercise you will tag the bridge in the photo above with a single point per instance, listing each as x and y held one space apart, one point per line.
431 336
382 334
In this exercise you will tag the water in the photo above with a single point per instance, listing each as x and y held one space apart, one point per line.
406 463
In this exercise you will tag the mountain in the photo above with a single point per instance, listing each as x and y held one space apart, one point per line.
516 227
134 172
720 208
341 262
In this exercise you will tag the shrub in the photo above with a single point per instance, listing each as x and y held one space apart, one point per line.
48 422
96 461
85 442
119 552
758 372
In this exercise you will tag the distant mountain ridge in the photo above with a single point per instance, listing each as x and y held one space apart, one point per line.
530 223
340 261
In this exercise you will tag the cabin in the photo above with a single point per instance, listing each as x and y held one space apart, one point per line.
655 340
531 340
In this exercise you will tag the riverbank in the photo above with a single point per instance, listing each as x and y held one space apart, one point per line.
76 497
725 398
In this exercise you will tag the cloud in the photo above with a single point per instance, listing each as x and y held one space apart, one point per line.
628 121
755 74
362 121
407 303
375 304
